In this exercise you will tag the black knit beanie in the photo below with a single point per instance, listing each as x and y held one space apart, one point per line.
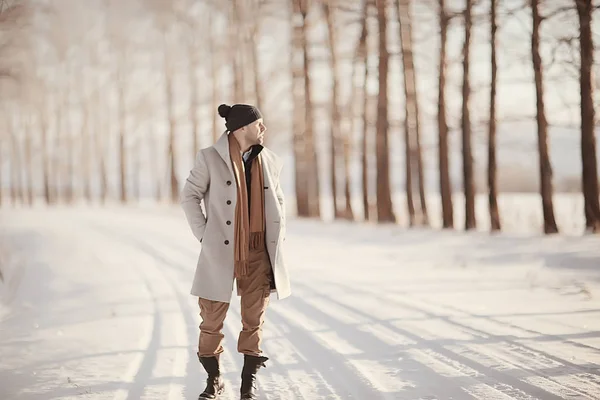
238 115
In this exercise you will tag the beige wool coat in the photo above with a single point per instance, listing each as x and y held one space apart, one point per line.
211 181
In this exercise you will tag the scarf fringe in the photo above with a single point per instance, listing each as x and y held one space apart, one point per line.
257 241
241 269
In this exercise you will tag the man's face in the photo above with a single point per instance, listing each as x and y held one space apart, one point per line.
255 132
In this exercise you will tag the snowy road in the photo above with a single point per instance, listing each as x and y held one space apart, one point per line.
98 308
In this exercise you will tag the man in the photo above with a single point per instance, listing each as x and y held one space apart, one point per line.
241 233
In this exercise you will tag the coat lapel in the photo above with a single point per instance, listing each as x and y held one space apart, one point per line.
268 165
222 147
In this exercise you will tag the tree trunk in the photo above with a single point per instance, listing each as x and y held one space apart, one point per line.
194 103
385 212
588 117
172 155
122 149
1 176
335 135
154 167
86 153
16 166
101 151
365 150
544 159
57 156
298 145
409 96
412 102
492 186
256 62
137 167
445 186
314 198
468 179
256 68
45 159
70 189
70 173
234 40
256 21
362 56
408 158
29 163
14 169
214 70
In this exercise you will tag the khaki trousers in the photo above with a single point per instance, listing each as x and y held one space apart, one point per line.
254 290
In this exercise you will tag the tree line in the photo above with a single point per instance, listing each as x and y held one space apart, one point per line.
98 99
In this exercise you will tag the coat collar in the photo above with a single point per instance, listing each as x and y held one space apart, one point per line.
222 148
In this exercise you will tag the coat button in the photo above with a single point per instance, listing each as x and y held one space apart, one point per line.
228 183
227 242
228 202
228 222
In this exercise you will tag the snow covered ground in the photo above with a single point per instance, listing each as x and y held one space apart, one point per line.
96 305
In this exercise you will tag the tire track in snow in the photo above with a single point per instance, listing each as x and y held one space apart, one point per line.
194 381
280 379
494 378
232 331
180 373
513 326
299 379
332 366
337 380
495 361
143 361
270 381
574 379
410 377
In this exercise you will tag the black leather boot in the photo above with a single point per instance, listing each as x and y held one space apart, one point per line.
214 382
251 366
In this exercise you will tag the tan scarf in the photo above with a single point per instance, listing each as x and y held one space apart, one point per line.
249 229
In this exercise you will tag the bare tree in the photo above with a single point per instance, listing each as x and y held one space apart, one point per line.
194 62
49 196
445 185
255 13
385 211
102 125
70 153
85 141
468 178
121 47
29 161
335 128
360 59
588 117
542 125
120 82
298 143
215 57
310 149
411 124
237 60
16 166
154 167
172 155
56 157
492 184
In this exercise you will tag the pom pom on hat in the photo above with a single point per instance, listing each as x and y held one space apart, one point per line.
224 110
